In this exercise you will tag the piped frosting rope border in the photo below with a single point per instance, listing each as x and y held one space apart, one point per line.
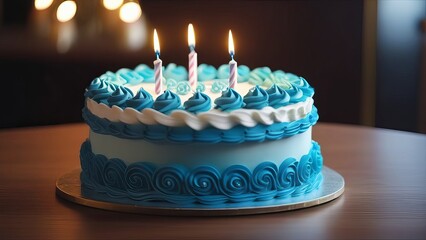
216 118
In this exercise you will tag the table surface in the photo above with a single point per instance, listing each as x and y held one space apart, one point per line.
385 193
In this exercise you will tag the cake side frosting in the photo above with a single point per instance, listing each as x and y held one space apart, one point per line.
171 185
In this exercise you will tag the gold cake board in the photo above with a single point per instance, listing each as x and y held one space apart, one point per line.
69 187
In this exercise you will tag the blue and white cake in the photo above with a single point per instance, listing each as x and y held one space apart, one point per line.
208 147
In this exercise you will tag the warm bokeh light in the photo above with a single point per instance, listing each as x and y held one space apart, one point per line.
42 4
130 12
191 35
231 44
112 4
156 42
66 11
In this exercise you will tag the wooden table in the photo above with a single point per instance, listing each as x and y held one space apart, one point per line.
385 196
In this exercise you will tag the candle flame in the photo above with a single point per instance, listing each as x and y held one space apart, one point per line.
231 44
156 43
66 11
191 36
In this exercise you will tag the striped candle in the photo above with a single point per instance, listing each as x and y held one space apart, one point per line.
233 70
158 66
192 58
158 76
233 73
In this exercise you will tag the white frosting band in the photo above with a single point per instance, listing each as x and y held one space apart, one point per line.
215 118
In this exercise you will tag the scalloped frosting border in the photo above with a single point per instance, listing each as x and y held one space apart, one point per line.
216 118
144 183
237 134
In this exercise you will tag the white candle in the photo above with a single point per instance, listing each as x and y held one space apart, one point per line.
192 58
158 66
233 73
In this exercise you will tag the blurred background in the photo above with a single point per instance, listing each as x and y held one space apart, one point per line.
366 59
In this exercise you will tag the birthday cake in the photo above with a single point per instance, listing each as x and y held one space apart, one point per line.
203 146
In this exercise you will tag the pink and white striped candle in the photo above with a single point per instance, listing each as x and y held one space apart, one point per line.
158 76
192 58
233 69
158 66
233 73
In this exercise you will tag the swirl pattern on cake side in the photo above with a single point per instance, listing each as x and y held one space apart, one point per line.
144 183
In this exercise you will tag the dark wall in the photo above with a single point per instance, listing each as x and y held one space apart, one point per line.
319 40
399 48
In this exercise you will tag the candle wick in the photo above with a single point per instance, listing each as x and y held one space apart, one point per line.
191 48
232 55
157 54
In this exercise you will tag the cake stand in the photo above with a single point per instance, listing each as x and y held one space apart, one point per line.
69 187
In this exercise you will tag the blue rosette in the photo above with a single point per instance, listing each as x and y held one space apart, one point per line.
230 100
256 98
199 102
278 97
113 175
138 179
264 181
167 102
141 100
119 97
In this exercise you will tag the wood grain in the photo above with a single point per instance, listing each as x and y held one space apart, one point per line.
384 196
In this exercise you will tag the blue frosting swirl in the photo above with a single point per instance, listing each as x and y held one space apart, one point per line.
113 174
304 169
204 181
183 88
170 180
236 181
256 98
230 100
200 87
265 178
119 97
167 102
287 177
141 100
258 75
206 72
199 102
99 90
171 84
109 76
279 78
278 97
296 95
138 179
129 76
146 72
219 86
304 86
178 73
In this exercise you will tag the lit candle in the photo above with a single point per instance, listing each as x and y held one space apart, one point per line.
192 58
233 74
158 66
